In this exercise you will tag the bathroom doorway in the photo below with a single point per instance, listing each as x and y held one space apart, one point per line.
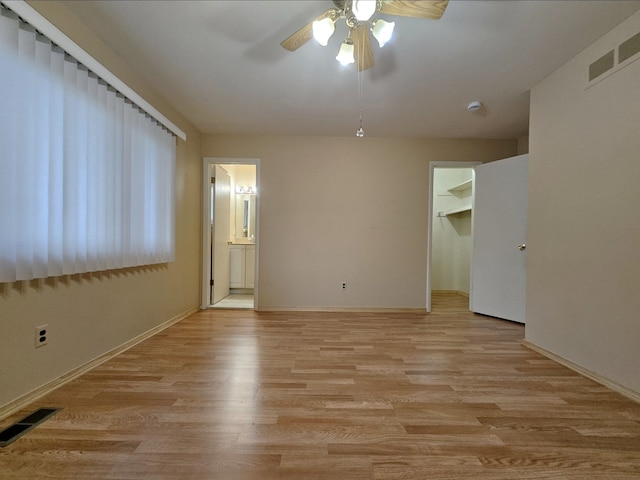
230 233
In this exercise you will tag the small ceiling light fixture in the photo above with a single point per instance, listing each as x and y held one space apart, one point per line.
474 106
345 55
382 31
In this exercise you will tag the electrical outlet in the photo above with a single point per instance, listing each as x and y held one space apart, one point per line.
41 336
343 285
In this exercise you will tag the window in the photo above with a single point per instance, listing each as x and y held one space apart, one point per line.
86 176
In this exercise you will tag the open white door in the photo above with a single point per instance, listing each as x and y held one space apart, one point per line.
220 234
498 274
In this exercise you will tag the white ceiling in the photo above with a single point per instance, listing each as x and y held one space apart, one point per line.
221 65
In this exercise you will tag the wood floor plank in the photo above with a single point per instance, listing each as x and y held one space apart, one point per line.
324 395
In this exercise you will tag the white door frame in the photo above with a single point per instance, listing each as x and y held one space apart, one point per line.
207 165
432 167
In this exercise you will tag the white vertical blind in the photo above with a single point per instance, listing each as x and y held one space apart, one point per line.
86 177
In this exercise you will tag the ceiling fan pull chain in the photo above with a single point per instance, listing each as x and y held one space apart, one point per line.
360 77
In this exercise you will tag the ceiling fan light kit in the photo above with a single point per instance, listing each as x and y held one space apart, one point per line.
358 15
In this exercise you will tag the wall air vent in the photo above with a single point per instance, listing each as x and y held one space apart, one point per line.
628 49
602 65
615 59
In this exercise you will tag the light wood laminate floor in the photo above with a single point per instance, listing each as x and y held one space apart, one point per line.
240 394
449 302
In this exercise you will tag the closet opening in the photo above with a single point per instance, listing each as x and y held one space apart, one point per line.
450 233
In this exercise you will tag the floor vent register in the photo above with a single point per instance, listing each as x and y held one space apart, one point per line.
15 431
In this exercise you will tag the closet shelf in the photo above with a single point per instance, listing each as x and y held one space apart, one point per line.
461 186
453 211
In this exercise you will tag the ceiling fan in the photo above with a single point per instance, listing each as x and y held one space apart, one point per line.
356 48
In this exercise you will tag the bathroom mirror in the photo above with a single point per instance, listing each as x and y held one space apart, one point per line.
245 216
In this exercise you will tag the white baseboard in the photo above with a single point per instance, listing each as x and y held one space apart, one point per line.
616 387
43 390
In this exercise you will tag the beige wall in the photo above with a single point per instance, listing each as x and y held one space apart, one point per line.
523 144
345 209
583 262
91 314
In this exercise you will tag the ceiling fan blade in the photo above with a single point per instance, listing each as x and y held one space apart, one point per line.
302 36
295 41
432 9
362 47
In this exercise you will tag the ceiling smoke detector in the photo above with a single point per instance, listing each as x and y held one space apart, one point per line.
474 106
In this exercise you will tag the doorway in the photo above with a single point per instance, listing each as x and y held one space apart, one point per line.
230 226
449 239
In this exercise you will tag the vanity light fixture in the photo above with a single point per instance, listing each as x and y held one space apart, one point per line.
246 190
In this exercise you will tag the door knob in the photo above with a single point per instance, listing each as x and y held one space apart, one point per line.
522 247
